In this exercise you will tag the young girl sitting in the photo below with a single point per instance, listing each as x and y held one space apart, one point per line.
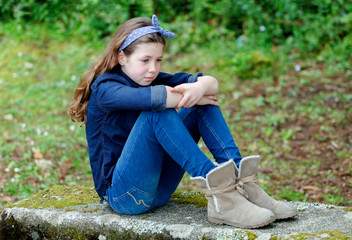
140 146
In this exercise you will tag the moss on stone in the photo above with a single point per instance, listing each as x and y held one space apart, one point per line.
48 231
196 198
11 229
326 235
60 196
69 209
348 209
251 235
332 235
247 235
72 232
205 238
274 237
90 210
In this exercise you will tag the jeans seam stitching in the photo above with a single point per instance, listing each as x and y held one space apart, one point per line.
174 144
139 202
215 135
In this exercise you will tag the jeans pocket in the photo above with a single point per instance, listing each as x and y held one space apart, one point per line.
134 201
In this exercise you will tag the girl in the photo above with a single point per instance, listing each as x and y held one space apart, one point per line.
140 146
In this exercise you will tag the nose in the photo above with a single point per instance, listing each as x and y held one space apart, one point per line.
152 67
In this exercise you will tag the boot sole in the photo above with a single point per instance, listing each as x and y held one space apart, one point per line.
286 217
221 222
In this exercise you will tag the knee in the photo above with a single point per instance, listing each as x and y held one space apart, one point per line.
152 115
165 112
168 111
206 107
209 109
169 117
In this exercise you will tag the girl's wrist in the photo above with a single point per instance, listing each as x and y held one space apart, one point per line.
172 98
201 88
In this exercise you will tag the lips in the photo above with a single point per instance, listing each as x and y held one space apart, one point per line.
149 78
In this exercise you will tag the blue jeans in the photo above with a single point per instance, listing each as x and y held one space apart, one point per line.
158 151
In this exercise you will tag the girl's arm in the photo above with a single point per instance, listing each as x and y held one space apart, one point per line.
194 93
210 84
172 98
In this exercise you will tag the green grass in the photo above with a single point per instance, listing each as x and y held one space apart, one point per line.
299 121
40 146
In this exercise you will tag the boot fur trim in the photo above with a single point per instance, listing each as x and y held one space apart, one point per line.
249 158
207 181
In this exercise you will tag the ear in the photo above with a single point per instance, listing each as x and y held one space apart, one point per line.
121 58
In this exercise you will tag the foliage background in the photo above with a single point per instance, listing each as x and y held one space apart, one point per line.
284 69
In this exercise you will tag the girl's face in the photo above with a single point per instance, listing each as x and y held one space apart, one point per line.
143 65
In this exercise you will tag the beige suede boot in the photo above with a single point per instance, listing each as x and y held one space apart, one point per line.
227 203
248 176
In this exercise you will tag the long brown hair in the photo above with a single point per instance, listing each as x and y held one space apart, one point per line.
106 62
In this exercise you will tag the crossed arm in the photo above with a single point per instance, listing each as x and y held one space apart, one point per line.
187 95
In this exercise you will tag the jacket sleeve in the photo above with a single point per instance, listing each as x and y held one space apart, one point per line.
176 79
113 96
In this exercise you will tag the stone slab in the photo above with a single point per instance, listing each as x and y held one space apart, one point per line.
172 221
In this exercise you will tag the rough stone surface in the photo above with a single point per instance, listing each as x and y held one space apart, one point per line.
172 221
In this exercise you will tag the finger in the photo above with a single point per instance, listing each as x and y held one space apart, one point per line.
215 103
178 89
187 104
182 103
212 97
186 101
208 101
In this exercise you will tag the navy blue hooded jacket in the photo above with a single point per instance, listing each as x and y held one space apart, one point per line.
114 106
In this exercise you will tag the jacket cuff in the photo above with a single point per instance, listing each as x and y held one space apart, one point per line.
158 98
193 78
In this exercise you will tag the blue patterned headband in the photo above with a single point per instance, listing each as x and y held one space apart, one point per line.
139 32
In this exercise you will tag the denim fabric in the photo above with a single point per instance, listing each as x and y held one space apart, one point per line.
208 122
160 147
115 103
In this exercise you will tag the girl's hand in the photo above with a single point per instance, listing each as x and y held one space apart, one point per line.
209 100
192 93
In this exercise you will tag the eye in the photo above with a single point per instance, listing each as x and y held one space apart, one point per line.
144 60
